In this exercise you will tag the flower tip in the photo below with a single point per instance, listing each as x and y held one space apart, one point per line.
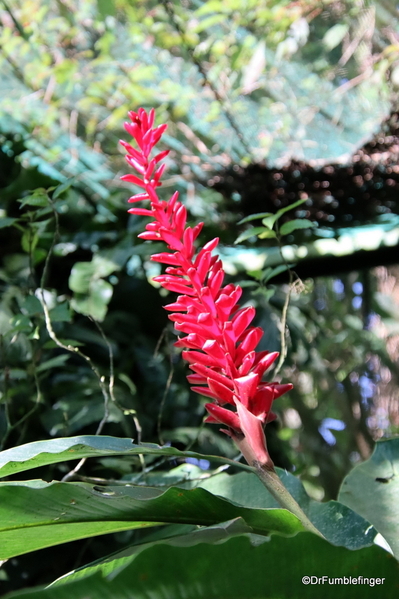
133 115
285 387
221 415
281 388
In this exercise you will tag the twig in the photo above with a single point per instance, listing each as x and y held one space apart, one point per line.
26 416
197 436
18 72
59 343
111 385
161 407
111 382
6 377
167 387
283 326
30 253
284 314
276 488
159 342
17 24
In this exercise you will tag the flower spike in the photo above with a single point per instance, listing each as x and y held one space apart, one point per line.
219 343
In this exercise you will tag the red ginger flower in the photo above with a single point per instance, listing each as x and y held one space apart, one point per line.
220 343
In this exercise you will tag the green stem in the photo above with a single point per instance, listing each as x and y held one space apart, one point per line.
258 457
273 484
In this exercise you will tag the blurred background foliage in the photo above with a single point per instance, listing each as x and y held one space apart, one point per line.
266 102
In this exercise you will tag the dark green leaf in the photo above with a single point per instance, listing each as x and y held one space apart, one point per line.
53 362
266 294
60 189
39 198
31 306
21 323
239 568
69 415
7 221
29 240
273 272
61 313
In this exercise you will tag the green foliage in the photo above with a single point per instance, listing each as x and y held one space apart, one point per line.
80 511
270 221
61 512
85 347
92 293
43 453
294 225
101 69
373 484
219 568
340 526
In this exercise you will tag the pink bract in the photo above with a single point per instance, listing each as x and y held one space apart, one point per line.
219 342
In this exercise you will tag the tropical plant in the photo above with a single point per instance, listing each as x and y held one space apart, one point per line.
226 517
281 111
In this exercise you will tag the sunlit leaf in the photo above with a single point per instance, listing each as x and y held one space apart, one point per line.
53 451
372 489
267 234
290 207
249 233
294 225
335 35
254 217
95 303
270 220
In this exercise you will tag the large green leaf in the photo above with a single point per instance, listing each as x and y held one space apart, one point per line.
213 534
175 535
372 489
43 453
60 512
339 524
239 568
